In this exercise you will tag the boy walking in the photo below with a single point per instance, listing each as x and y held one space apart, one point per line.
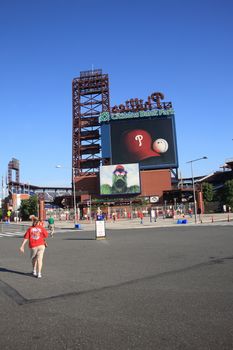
51 226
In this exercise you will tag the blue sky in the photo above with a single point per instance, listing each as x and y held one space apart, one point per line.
182 48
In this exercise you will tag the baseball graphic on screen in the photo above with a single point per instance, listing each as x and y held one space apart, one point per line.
160 145
138 144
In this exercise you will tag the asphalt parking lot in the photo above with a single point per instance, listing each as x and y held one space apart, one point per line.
145 288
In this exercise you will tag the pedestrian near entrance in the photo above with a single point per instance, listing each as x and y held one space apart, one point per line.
36 236
153 215
140 215
114 217
51 226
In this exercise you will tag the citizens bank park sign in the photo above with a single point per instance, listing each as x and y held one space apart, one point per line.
137 108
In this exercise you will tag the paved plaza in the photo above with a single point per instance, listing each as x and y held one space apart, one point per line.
144 287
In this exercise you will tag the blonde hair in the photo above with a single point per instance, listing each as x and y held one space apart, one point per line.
34 219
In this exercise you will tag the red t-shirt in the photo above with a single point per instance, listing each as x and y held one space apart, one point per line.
36 235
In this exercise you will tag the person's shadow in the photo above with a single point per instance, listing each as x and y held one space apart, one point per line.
3 269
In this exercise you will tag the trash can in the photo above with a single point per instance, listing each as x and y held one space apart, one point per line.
180 221
77 226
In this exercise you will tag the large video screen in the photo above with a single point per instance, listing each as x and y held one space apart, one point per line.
120 179
149 142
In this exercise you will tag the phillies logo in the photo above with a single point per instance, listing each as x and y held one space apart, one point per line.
139 138
139 145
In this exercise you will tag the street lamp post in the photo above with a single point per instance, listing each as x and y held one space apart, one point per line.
90 209
74 192
194 193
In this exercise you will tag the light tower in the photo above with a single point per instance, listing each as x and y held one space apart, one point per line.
90 97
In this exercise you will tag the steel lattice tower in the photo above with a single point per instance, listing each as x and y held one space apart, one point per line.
13 165
90 97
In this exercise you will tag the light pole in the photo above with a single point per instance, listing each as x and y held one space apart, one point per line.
90 209
74 192
194 194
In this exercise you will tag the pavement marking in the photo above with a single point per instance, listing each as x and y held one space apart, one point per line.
12 293
20 300
11 234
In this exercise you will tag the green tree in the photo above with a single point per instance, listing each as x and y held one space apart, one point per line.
227 193
208 193
29 207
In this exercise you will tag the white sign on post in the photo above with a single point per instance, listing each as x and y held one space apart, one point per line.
100 229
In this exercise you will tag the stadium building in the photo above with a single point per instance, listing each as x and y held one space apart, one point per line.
122 154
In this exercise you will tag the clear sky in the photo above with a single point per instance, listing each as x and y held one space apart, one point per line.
183 48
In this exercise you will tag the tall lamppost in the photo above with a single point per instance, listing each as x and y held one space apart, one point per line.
74 192
194 193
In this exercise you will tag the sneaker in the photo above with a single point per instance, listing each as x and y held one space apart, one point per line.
34 273
39 275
